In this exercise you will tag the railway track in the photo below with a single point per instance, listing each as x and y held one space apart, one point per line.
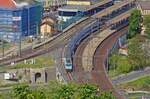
98 74
85 55
99 63
67 33
78 74
62 39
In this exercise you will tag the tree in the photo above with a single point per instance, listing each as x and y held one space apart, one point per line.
120 63
136 55
65 92
146 23
146 20
21 91
61 91
87 91
25 92
123 65
113 60
37 94
106 95
134 23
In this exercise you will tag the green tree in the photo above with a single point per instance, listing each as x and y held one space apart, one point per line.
134 23
61 91
146 20
37 94
87 91
119 63
21 91
123 65
65 92
113 60
136 55
106 95
146 23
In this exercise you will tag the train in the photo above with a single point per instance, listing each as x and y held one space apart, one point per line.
99 20
68 64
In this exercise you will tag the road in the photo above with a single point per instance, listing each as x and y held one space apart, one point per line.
130 76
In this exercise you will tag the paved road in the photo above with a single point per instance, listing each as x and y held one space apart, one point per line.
130 76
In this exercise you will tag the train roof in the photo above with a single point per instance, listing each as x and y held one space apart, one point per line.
112 8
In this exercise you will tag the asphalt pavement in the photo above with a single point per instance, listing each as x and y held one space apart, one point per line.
130 76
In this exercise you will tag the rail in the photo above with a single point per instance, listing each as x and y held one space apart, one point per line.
91 68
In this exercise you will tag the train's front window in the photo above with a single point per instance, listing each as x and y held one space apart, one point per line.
68 60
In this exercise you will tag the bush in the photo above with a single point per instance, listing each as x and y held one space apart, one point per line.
61 91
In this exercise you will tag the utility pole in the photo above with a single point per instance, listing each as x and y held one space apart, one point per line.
2 44
3 47
19 45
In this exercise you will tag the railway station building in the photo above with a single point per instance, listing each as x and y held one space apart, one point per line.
67 12
52 4
74 9
19 19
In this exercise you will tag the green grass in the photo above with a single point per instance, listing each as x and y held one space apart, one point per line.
7 46
11 85
142 83
40 61
118 65
113 73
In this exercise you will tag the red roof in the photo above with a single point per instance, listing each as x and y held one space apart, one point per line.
7 4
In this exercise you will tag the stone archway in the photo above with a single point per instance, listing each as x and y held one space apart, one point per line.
37 76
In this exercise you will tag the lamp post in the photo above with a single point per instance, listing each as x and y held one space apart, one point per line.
2 43
19 45
3 47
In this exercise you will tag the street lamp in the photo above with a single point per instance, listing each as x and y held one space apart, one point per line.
2 43
19 45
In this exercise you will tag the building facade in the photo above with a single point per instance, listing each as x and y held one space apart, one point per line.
47 27
144 7
72 10
51 4
18 22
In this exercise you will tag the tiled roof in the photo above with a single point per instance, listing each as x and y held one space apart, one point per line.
145 5
7 4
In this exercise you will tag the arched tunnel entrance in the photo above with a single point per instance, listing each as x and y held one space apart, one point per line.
37 76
